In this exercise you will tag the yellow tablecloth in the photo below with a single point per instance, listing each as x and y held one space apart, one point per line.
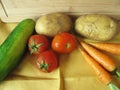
73 72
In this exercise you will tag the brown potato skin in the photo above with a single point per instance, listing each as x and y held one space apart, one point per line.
96 26
53 23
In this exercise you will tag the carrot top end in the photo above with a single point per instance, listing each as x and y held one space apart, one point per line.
113 86
117 72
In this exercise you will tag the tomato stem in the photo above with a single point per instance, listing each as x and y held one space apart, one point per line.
43 65
68 45
34 47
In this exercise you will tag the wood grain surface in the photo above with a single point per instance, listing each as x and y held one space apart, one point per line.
17 10
2 12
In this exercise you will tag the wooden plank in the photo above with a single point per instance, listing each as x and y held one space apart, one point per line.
33 7
2 13
19 9
17 18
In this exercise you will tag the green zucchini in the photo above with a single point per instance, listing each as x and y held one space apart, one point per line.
14 47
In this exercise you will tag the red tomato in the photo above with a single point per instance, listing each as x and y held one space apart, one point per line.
38 44
64 43
47 61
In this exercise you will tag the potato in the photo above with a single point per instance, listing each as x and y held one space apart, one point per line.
52 24
96 27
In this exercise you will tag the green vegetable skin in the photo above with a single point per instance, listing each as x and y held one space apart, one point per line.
14 47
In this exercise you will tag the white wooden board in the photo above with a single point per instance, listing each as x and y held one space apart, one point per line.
19 9
2 13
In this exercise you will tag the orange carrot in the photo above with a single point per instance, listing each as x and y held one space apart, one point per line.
101 73
106 61
108 47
